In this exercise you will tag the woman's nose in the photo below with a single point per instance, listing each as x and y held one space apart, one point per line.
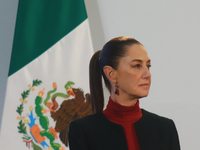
146 73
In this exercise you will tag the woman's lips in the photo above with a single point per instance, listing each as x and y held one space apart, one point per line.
145 84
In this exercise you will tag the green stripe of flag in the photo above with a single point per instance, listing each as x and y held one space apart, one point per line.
40 24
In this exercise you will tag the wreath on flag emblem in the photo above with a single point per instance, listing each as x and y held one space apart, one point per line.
41 135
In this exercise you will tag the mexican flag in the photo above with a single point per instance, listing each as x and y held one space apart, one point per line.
48 81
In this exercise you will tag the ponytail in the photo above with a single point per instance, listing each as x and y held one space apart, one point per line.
96 89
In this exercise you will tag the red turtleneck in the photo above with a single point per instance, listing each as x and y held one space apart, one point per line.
126 116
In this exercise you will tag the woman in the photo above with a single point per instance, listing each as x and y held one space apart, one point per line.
124 65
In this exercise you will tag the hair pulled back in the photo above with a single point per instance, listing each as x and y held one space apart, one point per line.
110 55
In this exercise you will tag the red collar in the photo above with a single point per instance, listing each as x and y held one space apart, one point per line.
118 113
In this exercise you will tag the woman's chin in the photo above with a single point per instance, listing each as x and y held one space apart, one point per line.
143 94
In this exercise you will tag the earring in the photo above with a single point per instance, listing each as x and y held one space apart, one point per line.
116 89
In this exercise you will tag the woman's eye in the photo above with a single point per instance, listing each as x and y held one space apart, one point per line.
137 66
148 66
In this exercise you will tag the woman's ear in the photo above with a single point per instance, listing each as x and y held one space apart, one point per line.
110 73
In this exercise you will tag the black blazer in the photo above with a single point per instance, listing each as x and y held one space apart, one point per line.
96 132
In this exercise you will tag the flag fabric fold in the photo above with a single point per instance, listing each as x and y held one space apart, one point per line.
48 81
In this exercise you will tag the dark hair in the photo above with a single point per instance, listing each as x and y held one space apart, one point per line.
110 55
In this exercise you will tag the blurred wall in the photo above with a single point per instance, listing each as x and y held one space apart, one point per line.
8 12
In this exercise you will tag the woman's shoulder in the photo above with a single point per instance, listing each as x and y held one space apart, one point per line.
150 115
153 118
158 131
90 119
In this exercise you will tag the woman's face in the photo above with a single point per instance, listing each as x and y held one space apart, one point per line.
133 74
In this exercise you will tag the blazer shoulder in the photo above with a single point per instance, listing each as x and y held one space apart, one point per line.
160 122
155 132
154 117
87 120
80 131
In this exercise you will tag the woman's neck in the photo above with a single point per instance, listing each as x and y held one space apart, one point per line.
124 100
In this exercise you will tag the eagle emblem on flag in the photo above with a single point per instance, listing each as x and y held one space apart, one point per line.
36 127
